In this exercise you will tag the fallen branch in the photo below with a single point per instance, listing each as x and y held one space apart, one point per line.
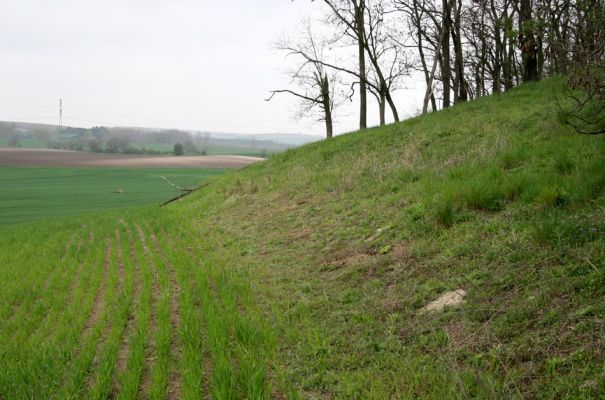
178 187
186 192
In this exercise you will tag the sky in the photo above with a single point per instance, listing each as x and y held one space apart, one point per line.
186 64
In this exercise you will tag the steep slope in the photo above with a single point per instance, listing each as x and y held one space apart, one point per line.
346 240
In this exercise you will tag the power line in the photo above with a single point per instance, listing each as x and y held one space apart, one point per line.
60 116
175 123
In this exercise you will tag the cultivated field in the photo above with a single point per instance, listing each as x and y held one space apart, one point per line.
32 193
65 158
121 307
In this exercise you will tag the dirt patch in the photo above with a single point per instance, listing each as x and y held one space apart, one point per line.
66 158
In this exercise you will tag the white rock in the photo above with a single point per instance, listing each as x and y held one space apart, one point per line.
448 299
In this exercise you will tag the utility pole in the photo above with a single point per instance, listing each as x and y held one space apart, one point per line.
60 116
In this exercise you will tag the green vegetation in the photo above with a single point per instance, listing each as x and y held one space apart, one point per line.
31 193
26 142
135 141
305 276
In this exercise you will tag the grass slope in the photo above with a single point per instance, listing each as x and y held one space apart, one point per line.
349 238
304 276
31 193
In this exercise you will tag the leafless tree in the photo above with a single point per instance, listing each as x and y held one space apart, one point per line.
351 16
316 85
583 103
385 47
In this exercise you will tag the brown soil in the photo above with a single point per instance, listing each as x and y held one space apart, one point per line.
66 158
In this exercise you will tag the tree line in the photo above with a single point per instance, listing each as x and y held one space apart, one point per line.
461 49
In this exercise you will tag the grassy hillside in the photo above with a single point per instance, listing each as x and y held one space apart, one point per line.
351 237
305 276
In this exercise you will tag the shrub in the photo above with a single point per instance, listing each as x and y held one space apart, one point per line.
178 150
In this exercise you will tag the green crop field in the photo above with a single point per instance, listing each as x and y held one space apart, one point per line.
26 142
307 276
31 193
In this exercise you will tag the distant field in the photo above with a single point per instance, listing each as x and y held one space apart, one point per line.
31 193
65 158
215 150
25 143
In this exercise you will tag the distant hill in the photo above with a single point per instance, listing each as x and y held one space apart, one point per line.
146 140
282 138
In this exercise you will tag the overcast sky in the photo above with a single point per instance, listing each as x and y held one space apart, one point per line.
189 64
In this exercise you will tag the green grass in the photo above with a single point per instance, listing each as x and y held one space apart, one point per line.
26 143
217 150
31 193
304 276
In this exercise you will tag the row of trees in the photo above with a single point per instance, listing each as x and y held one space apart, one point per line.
462 49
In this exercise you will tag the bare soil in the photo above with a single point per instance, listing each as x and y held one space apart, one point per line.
66 158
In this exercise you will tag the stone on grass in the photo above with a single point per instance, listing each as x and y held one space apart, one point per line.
448 299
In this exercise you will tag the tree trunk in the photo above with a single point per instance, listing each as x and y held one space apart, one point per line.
329 128
363 92
421 51
384 89
507 55
327 105
461 93
527 42
498 58
429 87
382 105
389 99
446 72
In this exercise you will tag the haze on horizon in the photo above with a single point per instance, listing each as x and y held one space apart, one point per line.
167 64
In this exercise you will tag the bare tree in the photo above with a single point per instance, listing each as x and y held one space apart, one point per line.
583 103
443 35
415 11
350 14
387 56
316 84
